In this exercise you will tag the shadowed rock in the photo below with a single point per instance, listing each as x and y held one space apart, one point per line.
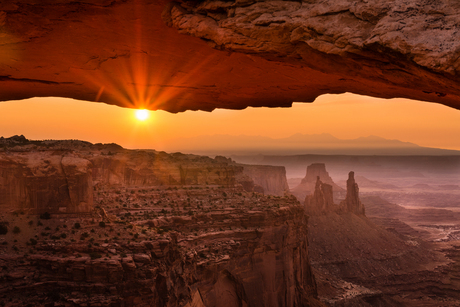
308 184
188 55
352 202
321 201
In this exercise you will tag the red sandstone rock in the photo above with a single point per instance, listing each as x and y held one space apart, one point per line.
51 179
272 179
48 181
308 184
189 55
352 202
321 201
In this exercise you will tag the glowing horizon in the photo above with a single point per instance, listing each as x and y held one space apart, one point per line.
345 116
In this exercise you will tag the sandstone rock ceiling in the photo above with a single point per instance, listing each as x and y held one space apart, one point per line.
189 55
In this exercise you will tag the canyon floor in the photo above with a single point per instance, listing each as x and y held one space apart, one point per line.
405 252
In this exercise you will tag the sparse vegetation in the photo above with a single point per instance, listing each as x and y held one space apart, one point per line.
45 216
3 228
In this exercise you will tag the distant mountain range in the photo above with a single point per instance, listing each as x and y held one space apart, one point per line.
324 144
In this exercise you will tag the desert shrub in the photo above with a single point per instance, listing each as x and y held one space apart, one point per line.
101 224
33 241
3 228
84 236
16 230
45 216
77 225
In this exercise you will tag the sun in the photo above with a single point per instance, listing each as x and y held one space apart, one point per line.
142 114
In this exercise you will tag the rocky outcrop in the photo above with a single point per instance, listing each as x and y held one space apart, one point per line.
212 246
272 179
45 182
150 168
308 184
321 201
188 55
60 177
351 203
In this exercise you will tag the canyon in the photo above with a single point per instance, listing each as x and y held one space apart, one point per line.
60 176
97 225
202 55
86 224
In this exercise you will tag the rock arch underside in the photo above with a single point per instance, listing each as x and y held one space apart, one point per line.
202 55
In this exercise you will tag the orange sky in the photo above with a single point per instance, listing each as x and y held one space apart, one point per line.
344 116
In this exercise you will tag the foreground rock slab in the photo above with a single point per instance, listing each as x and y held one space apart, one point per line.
186 55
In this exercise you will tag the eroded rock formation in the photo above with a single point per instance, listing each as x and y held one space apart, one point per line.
46 182
351 203
58 176
271 178
321 201
175 245
265 264
182 55
308 184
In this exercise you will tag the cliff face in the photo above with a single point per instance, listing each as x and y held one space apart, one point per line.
58 177
48 181
271 178
308 184
141 168
174 230
184 247
248 53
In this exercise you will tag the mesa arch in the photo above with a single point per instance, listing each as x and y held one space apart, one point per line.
190 55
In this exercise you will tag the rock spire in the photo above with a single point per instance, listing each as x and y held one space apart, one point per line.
352 202
321 200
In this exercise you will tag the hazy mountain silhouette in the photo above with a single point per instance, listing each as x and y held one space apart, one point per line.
299 144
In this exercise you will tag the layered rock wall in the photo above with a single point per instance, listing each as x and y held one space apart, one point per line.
48 181
266 53
142 168
271 178
226 256
58 177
